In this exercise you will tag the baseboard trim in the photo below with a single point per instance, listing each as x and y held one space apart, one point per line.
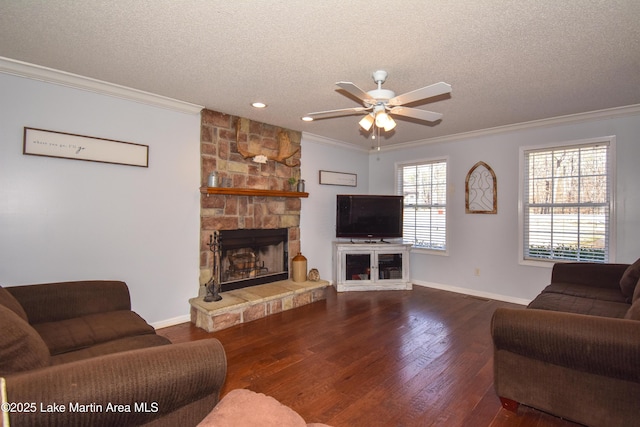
489 295
171 322
472 292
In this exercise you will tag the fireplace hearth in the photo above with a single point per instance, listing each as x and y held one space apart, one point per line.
252 257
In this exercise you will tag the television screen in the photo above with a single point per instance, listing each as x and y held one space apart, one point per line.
369 216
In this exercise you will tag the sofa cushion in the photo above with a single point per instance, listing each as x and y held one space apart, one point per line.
578 290
634 311
21 348
65 335
110 347
73 334
636 293
630 279
575 304
9 301
51 302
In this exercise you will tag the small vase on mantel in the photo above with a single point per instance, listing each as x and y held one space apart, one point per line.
299 268
301 186
292 184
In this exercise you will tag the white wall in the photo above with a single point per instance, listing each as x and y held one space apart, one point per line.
318 215
490 242
71 220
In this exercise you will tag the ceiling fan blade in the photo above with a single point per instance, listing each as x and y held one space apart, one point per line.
336 113
423 93
428 116
357 92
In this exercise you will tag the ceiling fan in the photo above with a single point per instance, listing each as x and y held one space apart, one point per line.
380 104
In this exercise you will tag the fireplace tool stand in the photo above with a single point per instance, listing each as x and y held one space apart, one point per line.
213 285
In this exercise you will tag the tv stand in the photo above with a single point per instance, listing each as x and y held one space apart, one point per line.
371 266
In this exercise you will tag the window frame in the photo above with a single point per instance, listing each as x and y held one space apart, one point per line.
523 180
399 191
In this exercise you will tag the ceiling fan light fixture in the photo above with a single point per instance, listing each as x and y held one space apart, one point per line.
381 119
380 102
366 122
390 124
307 119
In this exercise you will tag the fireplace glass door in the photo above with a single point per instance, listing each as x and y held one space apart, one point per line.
252 257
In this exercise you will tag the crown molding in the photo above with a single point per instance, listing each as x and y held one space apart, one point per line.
553 121
62 78
328 141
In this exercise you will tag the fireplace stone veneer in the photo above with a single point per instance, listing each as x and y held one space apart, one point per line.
220 136
252 303
272 206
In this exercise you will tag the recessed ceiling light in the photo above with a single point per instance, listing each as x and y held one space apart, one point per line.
307 119
259 105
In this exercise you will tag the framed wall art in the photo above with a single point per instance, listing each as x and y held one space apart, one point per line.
40 142
338 178
481 190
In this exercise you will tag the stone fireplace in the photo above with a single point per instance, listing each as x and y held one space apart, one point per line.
221 137
257 215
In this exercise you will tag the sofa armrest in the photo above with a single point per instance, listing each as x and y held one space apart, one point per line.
600 345
589 274
148 384
51 302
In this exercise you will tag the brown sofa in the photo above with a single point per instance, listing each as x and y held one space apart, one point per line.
74 353
575 350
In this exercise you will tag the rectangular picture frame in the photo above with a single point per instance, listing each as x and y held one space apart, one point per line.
48 143
338 178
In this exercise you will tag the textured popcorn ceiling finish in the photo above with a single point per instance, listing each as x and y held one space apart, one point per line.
508 61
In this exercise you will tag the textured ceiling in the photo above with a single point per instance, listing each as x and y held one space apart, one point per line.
507 61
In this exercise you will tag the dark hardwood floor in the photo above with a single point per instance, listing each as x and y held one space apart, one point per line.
393 358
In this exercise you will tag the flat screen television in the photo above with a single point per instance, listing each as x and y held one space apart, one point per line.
369 216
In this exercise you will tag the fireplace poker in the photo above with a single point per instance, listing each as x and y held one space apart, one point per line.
213 285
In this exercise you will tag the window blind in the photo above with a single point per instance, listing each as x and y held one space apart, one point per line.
424 186
566 203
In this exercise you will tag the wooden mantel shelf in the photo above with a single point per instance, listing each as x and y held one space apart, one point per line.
251 192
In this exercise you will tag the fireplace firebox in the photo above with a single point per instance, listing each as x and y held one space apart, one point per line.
250 257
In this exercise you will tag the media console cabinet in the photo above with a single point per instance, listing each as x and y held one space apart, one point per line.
371 266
